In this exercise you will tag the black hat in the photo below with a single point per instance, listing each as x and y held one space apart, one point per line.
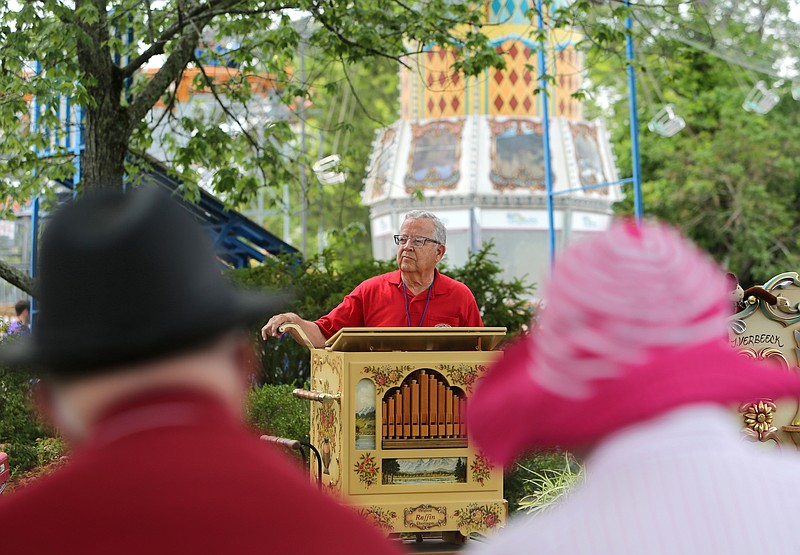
124 278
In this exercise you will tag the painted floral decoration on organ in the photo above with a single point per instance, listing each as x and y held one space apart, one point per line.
478 517
383 518
386 375
481 469
367 469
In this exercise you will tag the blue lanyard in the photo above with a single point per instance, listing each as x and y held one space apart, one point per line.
405 296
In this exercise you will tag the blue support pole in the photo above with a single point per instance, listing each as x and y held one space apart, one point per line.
34 211
34 251
67 124
548 170
76 179
638 205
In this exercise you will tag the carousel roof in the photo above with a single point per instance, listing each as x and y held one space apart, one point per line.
491 157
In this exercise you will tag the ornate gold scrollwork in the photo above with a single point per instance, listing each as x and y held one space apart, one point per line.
773 355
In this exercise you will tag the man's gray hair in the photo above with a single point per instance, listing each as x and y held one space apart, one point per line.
439 231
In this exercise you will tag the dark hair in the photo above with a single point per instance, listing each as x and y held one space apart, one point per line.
22 306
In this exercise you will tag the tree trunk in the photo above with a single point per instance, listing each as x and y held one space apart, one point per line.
16 278
106 142
107 126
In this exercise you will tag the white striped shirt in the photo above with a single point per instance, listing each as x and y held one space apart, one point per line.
684 483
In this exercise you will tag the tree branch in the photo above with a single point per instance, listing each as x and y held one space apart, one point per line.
318 16
228 112
168 72
202 14
94 57
17 278
157 48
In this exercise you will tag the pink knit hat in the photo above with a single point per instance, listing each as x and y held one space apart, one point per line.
635 325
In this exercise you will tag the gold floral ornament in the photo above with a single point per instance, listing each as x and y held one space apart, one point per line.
367 469
758 419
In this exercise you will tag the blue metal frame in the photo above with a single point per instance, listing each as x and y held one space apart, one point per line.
34 309
548 169
638 205
237 239
636 178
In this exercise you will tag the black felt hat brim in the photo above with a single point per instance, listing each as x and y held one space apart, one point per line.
25 352
126 278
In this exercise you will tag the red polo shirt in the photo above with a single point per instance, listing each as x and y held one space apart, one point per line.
381 302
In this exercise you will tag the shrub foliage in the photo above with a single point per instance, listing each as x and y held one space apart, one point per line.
19 425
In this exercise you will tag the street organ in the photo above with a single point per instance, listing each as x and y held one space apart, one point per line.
388 417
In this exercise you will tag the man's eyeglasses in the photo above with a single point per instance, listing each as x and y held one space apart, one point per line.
416 241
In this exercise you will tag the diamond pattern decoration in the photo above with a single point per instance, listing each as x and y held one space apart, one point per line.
567 82
527 104
496 6
441 96
509 89
430 54
509 16
524 7
498 76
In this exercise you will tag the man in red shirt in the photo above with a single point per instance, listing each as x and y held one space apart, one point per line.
152 399
415 295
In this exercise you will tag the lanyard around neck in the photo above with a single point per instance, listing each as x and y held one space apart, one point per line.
405 296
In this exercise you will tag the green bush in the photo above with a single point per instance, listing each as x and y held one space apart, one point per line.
19 425
272 409
49 449
521 482
320 283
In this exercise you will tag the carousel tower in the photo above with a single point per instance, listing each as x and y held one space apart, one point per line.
471 150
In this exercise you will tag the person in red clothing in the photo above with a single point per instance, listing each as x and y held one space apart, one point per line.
414 295
151 400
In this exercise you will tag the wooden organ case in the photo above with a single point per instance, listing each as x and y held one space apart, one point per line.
388 416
